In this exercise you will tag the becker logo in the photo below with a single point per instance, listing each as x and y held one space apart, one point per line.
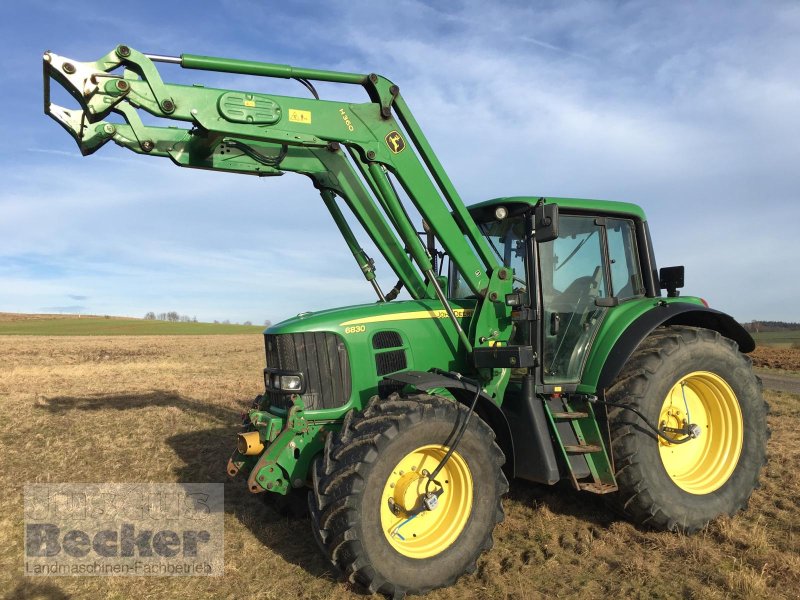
45 540
395 142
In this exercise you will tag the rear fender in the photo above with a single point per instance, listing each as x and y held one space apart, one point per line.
675 313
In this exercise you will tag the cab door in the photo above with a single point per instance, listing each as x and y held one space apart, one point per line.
573 275
590 267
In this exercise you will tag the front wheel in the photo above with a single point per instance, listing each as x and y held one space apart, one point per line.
683 378
367 507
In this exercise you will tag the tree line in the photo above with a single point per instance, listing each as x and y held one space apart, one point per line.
175 317
762 326
171 316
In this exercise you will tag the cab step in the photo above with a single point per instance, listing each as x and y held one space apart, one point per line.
570 415
597 488
582 448
581 443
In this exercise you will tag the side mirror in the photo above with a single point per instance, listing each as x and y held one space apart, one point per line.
545 222
670 279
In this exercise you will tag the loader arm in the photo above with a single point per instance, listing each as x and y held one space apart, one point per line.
348 150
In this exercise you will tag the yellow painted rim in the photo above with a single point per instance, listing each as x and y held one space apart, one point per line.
429 532
704 464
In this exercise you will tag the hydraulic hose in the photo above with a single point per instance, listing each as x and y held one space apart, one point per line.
454 445
644 419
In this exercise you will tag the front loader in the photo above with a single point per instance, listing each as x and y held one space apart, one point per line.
536 342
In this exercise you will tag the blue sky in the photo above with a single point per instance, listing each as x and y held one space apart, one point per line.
690 109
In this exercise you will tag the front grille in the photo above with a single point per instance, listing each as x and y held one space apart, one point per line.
321 357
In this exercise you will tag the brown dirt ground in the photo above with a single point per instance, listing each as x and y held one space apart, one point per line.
5 316
775 357
165 409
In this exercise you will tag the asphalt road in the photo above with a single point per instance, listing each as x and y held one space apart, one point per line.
782 382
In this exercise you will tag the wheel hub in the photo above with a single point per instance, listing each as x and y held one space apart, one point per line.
418 523
406 495
701 406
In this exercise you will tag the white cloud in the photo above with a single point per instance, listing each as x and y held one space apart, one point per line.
689 109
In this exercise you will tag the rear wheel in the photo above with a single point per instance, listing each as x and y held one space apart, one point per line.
681 376
369 485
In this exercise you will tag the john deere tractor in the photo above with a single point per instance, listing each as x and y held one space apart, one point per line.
536 342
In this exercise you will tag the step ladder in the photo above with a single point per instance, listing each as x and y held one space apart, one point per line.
583 449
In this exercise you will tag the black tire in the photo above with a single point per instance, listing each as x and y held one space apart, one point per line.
648 495
349 481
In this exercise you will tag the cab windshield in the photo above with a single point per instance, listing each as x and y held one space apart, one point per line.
506 239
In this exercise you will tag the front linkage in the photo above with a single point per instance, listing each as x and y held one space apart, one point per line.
277 450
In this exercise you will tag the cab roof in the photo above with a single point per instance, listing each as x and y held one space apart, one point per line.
571 204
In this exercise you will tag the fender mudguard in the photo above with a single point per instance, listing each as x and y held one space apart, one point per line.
675 313
464 392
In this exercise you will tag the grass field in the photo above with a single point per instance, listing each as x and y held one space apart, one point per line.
19 324
165 409
777 338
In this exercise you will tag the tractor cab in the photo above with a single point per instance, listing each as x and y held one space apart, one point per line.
587 257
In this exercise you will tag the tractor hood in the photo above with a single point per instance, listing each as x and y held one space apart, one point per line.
364 318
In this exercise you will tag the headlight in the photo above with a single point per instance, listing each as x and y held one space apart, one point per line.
291 383
280 382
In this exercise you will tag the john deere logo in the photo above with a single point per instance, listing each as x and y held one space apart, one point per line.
395 142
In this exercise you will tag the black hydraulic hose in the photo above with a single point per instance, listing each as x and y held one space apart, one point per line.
395 291
308 85
644 419
270 161
454 445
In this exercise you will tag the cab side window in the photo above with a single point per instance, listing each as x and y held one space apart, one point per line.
626 276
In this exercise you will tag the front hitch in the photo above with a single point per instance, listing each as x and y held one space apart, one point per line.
289 446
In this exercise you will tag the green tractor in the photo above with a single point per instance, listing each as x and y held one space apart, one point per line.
536 343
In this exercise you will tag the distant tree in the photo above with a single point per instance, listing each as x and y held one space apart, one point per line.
194 319
162 316
216 322
151 316
765 326
226 322
247 323
267 323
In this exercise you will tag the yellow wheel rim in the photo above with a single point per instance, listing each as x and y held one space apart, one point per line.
427 533
704 464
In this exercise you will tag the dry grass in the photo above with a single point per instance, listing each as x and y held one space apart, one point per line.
132 409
